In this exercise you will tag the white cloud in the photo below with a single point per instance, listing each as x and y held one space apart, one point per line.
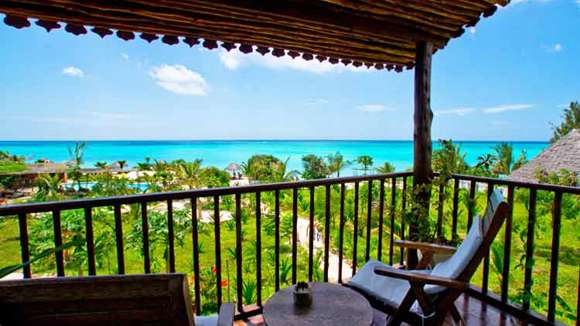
507 107
179 80
235 59
557 47
456 111
125 56
374 108
73 71
231 60
472 30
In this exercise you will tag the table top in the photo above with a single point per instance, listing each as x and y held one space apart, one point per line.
332 304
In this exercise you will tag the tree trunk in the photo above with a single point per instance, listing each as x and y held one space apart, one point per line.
422 149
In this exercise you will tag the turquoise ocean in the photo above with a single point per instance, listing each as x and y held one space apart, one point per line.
220 153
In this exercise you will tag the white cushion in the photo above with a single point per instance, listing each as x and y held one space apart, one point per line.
494 200
454 265
393 290
206 320
387 288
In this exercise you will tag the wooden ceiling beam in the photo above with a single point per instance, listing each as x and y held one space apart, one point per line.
385 31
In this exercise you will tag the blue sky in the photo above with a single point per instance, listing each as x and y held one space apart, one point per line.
506 79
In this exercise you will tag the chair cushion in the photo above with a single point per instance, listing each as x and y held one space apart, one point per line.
454 265
494 200
206 320
392 290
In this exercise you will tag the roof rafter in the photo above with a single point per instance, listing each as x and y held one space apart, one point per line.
374 33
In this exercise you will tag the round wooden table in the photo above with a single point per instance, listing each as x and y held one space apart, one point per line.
332 304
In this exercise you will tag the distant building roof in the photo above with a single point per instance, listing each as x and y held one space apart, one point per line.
564 154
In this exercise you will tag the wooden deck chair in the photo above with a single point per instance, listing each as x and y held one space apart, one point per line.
427 296
152 299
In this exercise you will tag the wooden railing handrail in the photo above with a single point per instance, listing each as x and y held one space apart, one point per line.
520 184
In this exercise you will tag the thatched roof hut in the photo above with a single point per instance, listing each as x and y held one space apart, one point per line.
562 155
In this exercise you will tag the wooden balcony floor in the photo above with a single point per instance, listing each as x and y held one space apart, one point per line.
474 313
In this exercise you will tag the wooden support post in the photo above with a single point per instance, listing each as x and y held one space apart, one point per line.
422 148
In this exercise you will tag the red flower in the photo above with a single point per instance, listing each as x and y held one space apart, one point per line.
224 283
213 270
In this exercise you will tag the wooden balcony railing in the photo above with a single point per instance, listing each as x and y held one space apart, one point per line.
388 225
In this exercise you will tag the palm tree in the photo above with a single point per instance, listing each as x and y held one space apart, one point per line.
282 174
101 165
504 159
336 163
449 159
571 121
366 162
122 164
386 168
77 153
48 187
189 173
484 164
522 159
144 166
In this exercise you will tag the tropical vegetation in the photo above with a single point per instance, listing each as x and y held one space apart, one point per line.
157 176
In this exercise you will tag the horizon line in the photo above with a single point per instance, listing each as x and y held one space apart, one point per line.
268 139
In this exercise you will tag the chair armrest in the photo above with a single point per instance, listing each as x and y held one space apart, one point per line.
425 246
422 279
226 315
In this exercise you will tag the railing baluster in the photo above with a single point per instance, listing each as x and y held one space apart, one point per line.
119 239
369 217
239 276
507 247
58 243
471 203
403 210
195 247
485 278
277 239
393 207
145 227
258 249
170 236
454 235
381 219
355 226
311 236
90 240
341 233
529 249
556 223
326 232
440 206
218 255
294 233
24 247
